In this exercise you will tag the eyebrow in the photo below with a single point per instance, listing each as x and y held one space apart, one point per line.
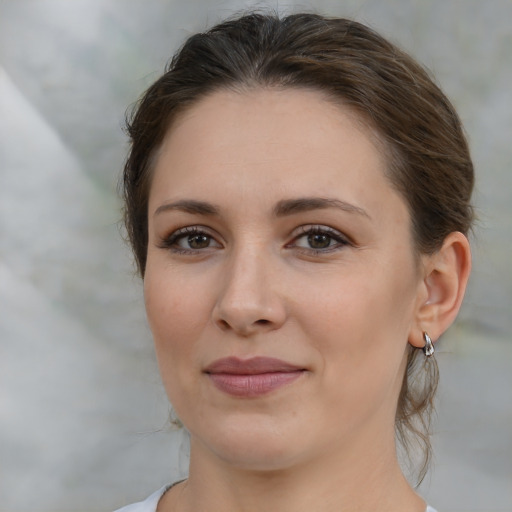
283 208
189 206
305 204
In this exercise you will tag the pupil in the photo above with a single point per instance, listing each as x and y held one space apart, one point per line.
319 241
198 241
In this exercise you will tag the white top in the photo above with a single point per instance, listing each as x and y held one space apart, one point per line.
150 504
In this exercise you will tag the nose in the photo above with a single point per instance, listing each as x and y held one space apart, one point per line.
249 301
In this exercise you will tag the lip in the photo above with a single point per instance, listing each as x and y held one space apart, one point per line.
252 377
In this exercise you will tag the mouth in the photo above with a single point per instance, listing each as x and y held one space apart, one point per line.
252 377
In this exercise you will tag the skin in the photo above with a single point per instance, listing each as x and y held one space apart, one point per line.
244 281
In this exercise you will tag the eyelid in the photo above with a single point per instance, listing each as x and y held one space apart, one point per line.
308 229
169 241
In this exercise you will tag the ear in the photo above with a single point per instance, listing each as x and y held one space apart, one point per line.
446 274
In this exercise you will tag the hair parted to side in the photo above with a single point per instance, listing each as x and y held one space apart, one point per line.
428 157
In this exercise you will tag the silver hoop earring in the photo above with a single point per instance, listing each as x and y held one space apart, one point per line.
428 349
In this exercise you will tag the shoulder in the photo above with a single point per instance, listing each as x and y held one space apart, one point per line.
148 505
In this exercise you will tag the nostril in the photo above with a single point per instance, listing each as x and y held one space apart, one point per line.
244 321
223 324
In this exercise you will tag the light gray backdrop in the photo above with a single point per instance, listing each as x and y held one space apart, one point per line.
82 412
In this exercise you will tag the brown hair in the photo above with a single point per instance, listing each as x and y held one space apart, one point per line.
429 161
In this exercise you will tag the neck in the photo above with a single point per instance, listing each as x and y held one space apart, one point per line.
354 482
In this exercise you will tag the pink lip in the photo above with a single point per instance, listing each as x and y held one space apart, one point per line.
251 377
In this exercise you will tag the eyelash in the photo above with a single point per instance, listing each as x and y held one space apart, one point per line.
334 235
170 243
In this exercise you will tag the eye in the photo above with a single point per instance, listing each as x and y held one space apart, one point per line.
318 239
198 241
189 240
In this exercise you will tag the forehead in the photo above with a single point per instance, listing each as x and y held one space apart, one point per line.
270 142
252 109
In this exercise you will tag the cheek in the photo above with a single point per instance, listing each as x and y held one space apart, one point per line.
351 305
174 304
360 328
176 316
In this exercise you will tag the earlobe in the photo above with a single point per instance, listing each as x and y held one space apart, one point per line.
446 277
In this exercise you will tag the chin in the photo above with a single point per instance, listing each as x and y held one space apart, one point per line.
258 458
251 446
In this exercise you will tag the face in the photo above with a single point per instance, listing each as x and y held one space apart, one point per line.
281 284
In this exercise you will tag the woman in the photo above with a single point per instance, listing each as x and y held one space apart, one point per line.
297 196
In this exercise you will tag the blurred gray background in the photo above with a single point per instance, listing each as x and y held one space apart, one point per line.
83 417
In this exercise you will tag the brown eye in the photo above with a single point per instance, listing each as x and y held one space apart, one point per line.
199 241
319 241
190 240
